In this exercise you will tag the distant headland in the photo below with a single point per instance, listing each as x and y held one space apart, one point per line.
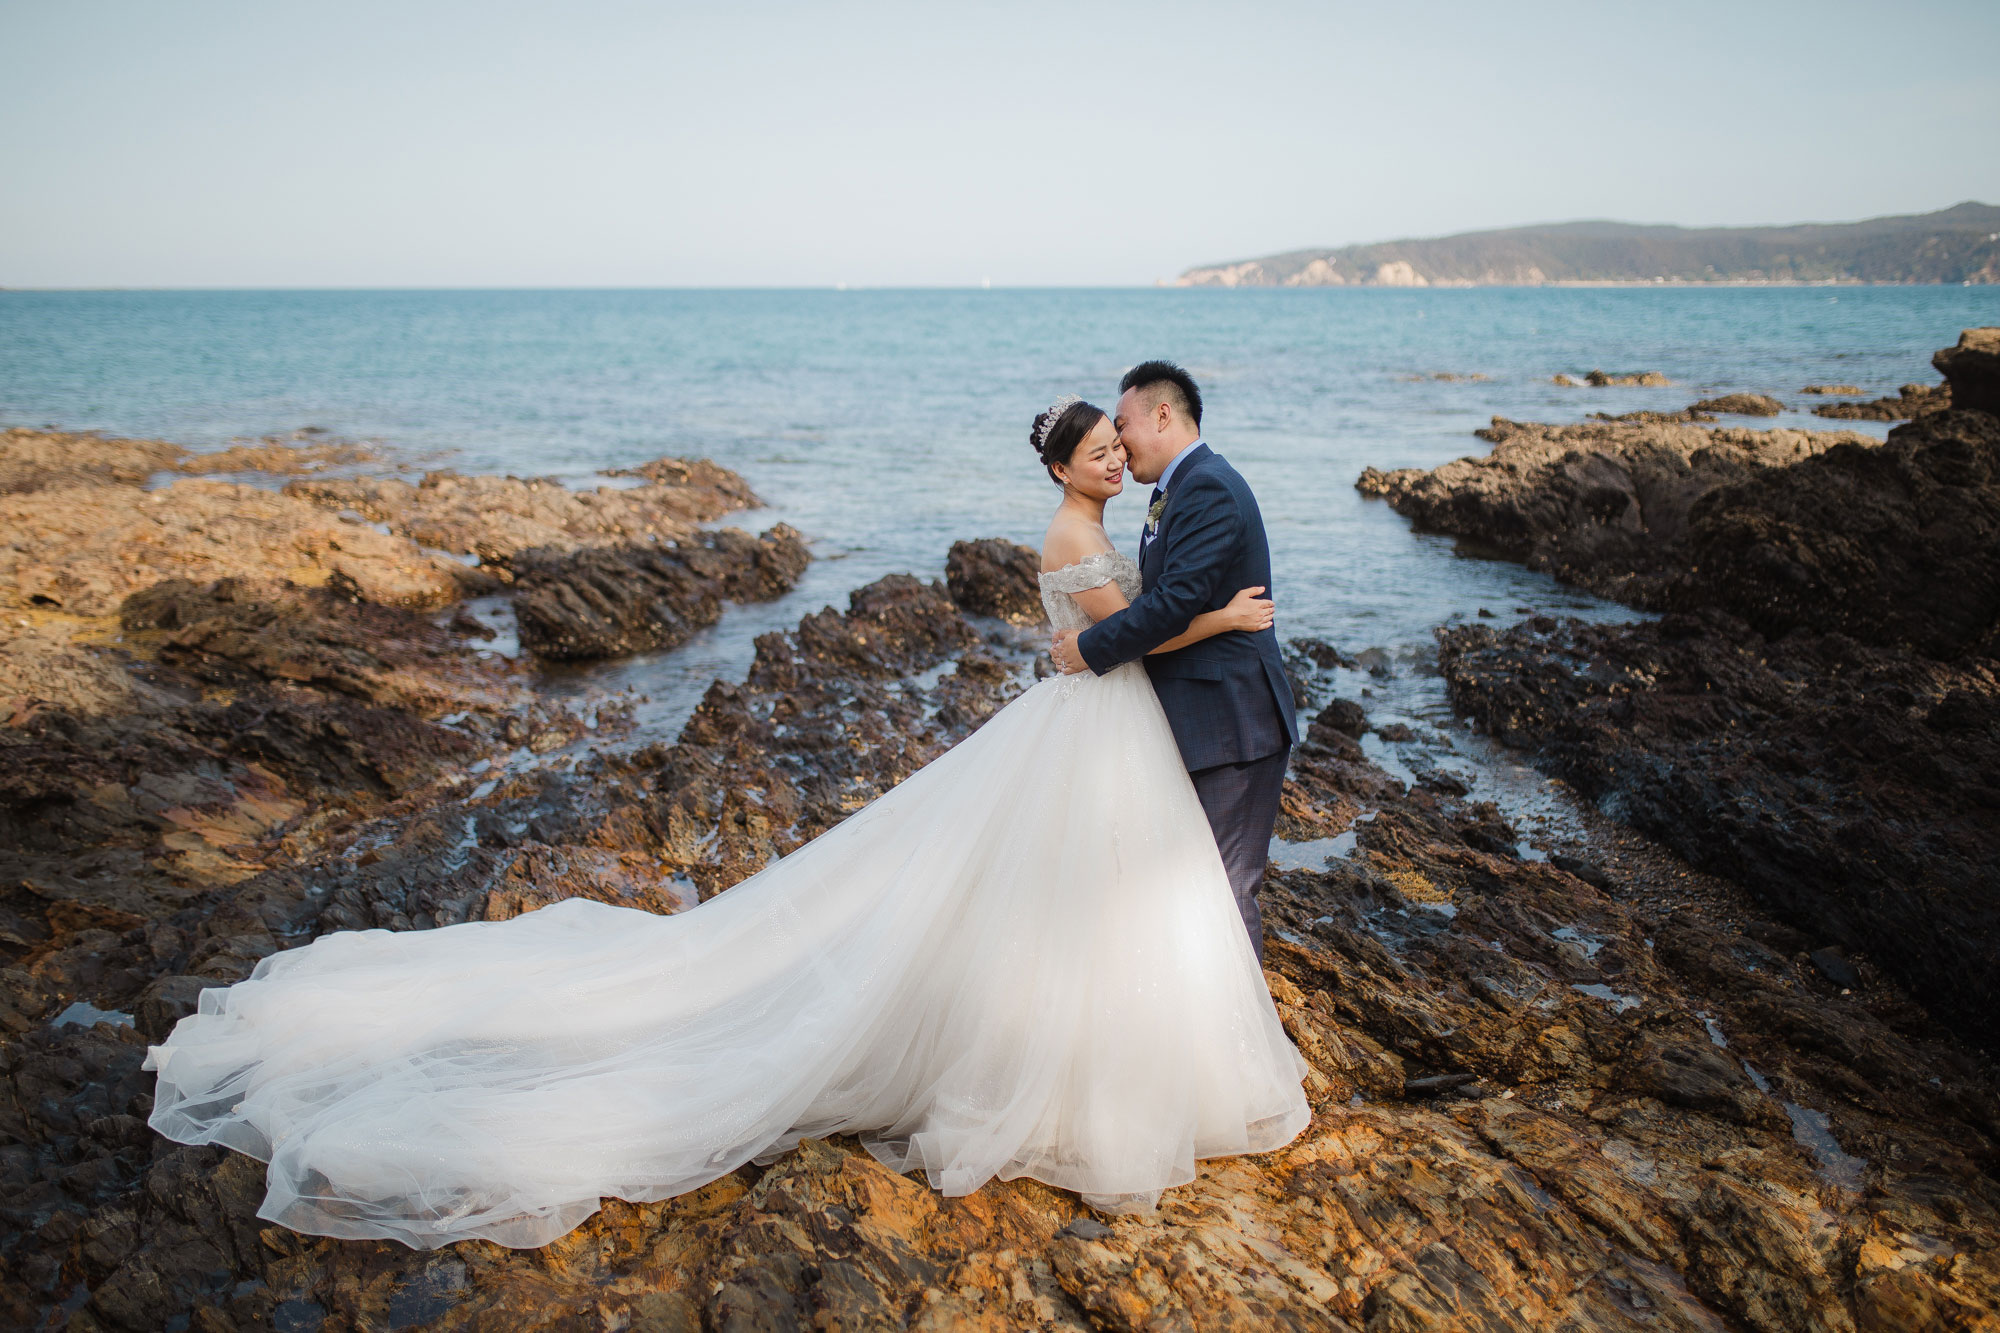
1960 244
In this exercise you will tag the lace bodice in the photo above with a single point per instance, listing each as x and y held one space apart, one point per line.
1093 571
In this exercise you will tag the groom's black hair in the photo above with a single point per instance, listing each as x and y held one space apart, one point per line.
1184 396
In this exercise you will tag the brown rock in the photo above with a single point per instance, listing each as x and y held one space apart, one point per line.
699 476
1686 416
1650 379
1913 400
35 460
83 550
1835 390
277 458
43 666
499 518
995 577
1741 405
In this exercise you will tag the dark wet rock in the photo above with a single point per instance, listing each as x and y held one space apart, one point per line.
1972 370
1320 653
1602 504
236 628
1344 716
1833 965
1912 400
996 577
1741 405
609 601
1804 767
820 726
166 1002
1587 871
1890 544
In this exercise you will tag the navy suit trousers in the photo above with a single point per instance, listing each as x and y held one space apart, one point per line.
1241 801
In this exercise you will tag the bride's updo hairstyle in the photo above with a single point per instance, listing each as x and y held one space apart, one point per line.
1059 429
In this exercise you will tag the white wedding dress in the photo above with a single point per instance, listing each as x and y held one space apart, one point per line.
1023 961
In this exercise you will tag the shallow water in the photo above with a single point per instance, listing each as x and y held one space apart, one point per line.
887 424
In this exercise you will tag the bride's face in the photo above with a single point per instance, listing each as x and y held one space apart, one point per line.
1097 468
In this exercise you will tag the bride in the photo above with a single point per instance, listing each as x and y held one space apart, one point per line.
1025 960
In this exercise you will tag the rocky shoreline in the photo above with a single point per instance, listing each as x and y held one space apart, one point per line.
1819 715
1596 1091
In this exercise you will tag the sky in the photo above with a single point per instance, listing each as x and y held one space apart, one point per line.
429 143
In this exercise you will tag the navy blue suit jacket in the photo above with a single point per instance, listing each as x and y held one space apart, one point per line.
1226 697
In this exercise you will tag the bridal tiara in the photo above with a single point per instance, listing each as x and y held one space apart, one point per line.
1053 415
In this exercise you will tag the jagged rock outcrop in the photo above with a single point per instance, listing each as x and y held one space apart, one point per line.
499 518
1972 369
1822 721
1601 504
608 601
1650 379
995 577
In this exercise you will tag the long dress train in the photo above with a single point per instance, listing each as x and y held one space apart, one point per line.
1024 960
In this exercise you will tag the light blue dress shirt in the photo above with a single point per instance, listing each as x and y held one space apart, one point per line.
1168 475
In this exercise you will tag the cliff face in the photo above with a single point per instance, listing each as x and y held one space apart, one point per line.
1956 245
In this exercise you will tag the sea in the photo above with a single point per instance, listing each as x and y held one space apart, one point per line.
887 424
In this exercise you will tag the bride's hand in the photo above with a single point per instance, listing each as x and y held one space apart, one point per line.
1249 612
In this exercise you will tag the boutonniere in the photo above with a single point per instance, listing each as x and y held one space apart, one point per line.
1153 514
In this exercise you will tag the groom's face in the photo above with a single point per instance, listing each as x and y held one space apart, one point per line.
1140 431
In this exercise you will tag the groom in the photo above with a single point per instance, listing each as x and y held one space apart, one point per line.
1226 697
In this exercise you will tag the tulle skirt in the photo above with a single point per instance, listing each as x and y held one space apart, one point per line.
1022 961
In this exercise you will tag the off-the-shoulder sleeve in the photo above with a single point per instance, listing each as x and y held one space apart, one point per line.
1093 571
